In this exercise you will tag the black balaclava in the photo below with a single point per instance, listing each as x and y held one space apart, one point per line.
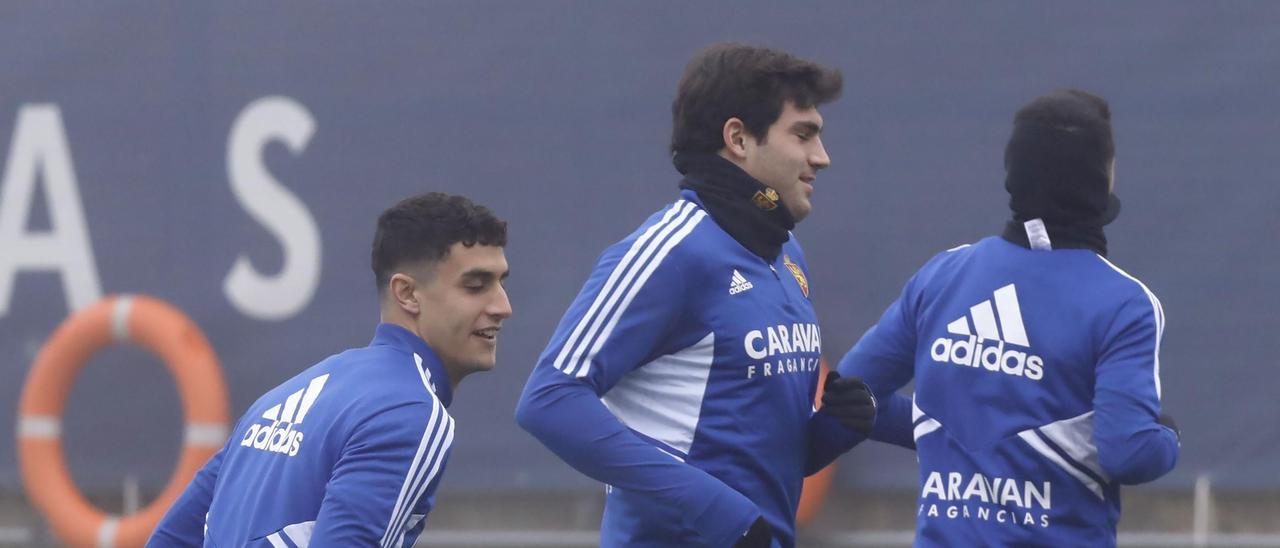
744 207
1059 174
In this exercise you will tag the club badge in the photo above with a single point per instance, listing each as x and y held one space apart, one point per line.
766 200
799 274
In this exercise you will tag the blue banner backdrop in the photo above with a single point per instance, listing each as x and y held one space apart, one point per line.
231 159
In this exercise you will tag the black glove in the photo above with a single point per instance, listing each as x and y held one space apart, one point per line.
1168 421
760 535
850 401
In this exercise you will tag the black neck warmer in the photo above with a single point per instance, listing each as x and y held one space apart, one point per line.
1060 177
745 208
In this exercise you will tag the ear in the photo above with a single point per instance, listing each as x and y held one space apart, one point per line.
735 138
403 290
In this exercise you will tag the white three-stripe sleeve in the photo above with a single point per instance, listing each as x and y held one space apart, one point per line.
634 289
385 460
589 321
437 441
426 464
1157 313
1132 446
627 303
406 486
415 504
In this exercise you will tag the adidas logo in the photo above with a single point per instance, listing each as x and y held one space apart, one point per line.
738 284
280 436
977 350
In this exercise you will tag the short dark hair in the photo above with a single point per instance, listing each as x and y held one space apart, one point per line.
750 83
424 227
1075 112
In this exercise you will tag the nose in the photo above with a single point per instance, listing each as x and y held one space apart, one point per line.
500 306
818 158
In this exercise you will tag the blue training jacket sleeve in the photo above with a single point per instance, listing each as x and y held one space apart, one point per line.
893 422
381 485
1132 446
828 439
183 524
884 358
625 315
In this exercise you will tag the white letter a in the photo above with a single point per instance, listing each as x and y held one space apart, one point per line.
40 146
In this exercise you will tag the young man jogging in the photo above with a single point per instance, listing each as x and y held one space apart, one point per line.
683 374
1036 360
350 451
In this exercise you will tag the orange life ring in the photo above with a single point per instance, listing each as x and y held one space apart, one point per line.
166 332
815 486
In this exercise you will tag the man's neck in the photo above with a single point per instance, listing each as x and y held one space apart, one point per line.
454 372
455 377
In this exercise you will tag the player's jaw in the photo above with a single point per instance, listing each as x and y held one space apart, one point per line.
797 192
482 346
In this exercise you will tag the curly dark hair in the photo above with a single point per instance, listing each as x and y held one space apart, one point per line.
750 83
424 227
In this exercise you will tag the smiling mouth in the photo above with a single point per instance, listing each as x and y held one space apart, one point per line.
488 333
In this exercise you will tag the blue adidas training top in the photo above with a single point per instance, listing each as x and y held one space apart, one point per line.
1037 391
347 453
683 377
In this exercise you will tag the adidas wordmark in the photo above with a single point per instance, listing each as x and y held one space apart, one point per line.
977 350
738 283
280 436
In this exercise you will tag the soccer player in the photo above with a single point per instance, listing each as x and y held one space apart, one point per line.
350 451
683 374
1036 360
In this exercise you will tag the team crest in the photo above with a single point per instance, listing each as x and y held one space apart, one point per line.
799 274
766 200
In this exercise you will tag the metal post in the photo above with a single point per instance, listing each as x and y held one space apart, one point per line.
1202 512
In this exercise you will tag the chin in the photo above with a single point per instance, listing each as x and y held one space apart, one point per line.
800 213
483 364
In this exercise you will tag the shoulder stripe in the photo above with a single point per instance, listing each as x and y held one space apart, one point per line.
431 438
437 438
437 458
437 412
678 209
627 277
423 373
1156 310
633 289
